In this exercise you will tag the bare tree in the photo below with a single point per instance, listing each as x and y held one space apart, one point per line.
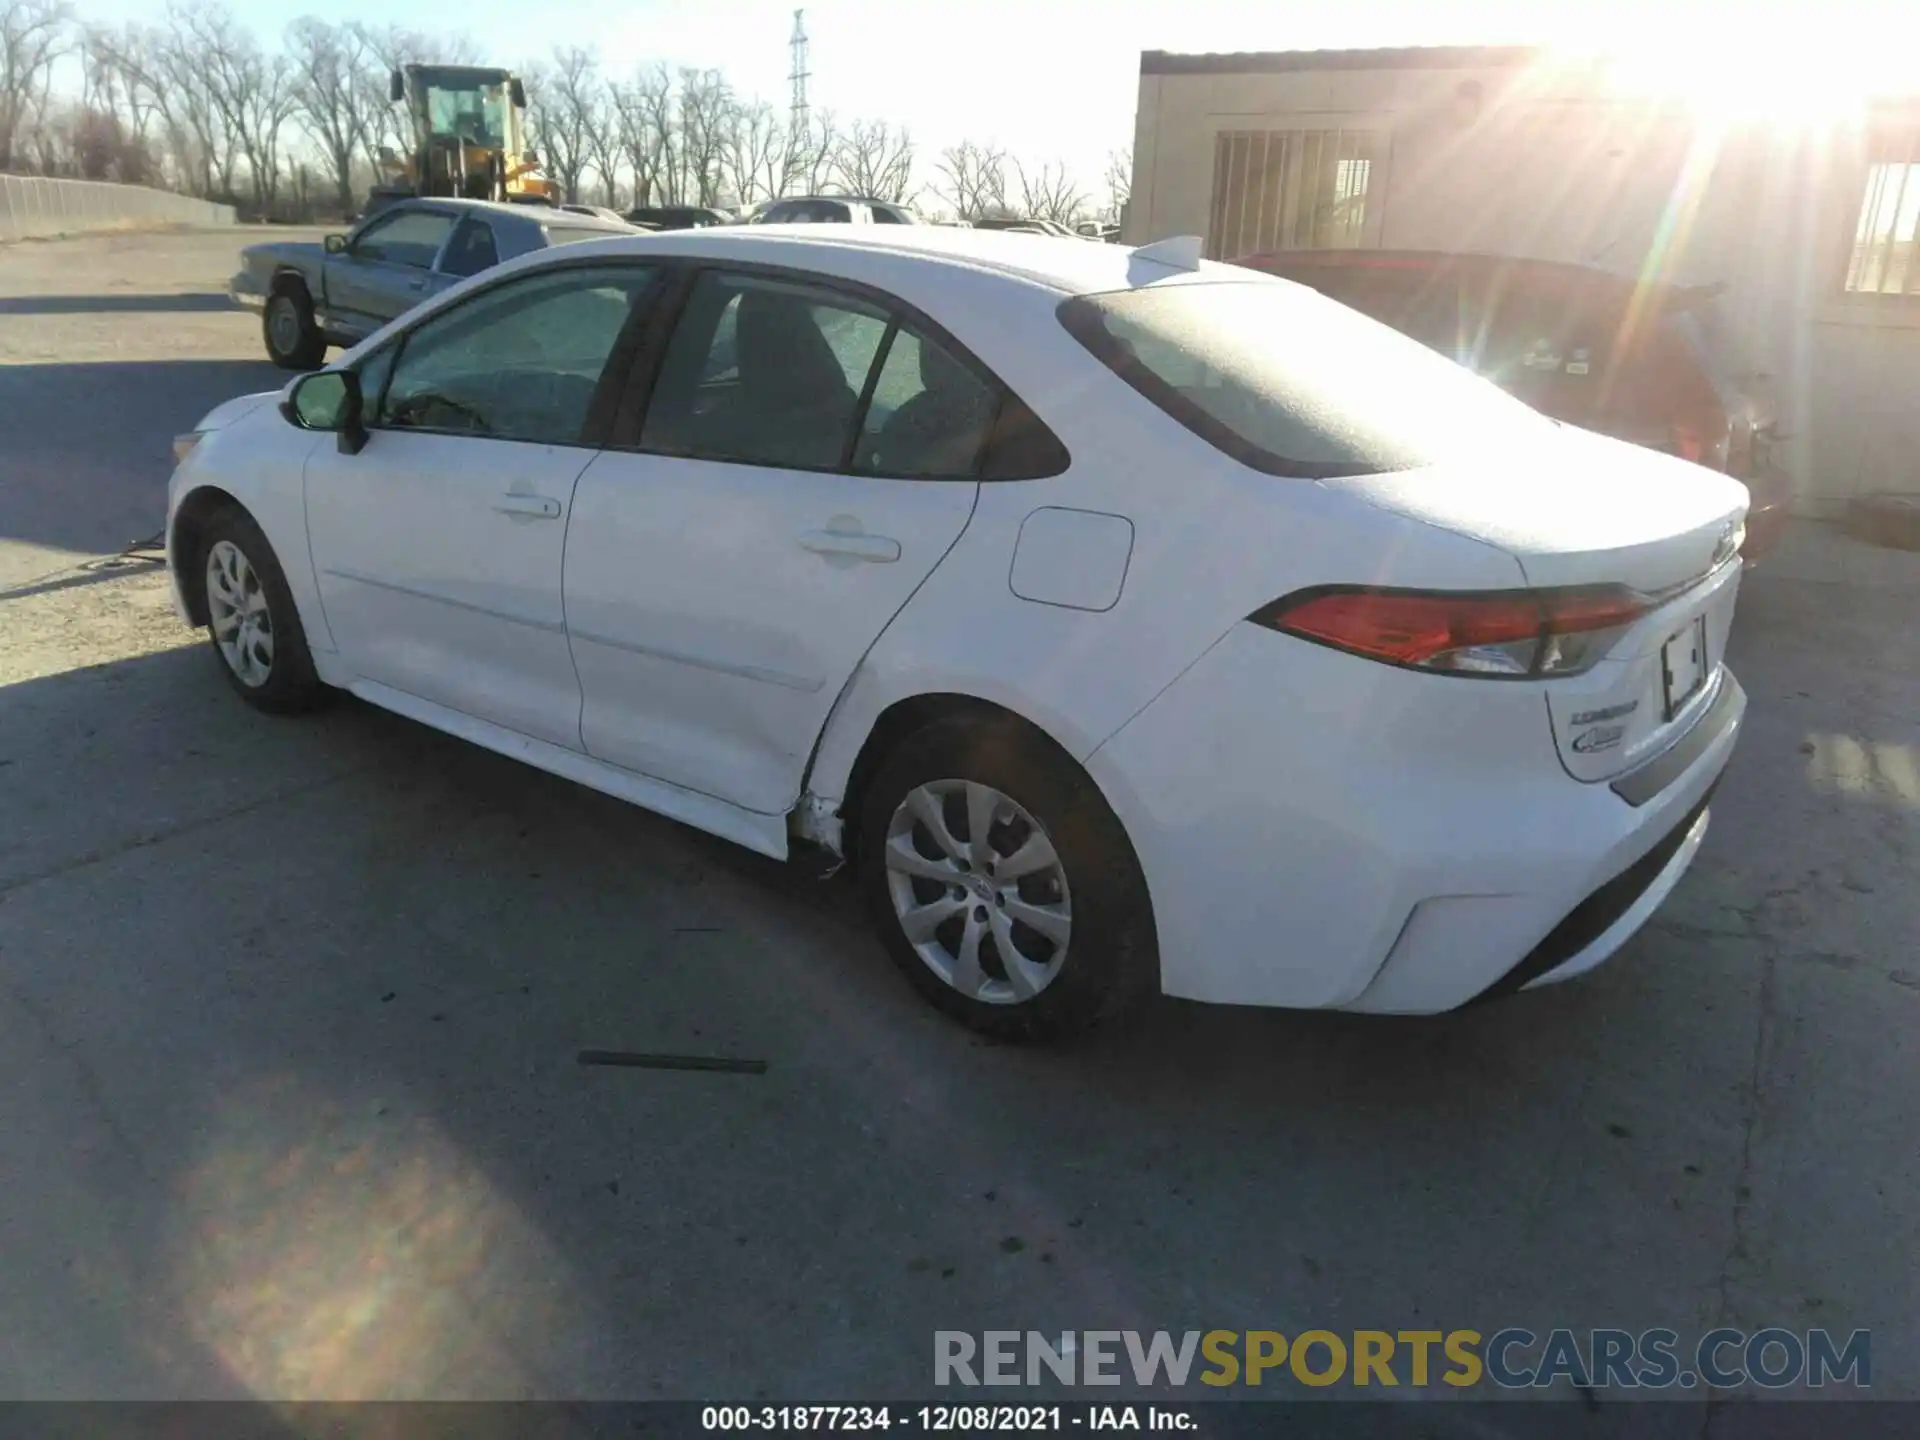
331 64
1049 193
34 34
874 159
705 114
560 107
756 154
603 142
1119 182
973 179
643 118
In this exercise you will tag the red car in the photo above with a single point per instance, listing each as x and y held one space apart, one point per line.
1630 359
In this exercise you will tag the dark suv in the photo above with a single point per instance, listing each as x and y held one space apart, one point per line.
1629 359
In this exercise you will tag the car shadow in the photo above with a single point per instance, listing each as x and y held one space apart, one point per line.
89 450
195 303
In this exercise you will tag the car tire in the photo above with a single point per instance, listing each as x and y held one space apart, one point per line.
1081 927
294 341
252 621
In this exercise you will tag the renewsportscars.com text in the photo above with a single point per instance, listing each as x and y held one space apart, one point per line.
1512 1359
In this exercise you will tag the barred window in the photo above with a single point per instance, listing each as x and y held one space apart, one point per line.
1289 190
1886 237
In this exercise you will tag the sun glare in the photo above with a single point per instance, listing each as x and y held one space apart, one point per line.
1794 75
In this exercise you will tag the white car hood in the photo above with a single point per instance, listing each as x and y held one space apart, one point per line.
237 408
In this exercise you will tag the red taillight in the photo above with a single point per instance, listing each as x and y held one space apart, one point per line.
1512 633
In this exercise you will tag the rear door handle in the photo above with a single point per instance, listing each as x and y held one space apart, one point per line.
877 548
538 507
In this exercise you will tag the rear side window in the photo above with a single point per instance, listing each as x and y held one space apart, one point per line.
1288 382
471 250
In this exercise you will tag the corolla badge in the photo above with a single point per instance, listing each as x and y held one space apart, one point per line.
1600 737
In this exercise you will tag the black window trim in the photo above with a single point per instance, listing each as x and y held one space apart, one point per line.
631 413
613 375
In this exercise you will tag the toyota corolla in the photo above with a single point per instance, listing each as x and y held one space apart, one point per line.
1129 622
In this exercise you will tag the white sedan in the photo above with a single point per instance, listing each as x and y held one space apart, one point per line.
1129 622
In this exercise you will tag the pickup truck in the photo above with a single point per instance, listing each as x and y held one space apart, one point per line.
340 291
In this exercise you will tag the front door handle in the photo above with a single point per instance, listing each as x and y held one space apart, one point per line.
539 507
877 548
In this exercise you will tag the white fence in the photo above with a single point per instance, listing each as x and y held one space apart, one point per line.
30 205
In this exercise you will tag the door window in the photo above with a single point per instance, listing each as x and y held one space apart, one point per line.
764 372
518 362
472 250
929 416
406 237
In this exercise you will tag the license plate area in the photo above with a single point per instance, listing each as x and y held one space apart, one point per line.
1683 666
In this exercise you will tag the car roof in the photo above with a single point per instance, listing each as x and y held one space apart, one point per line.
531 214
1065 264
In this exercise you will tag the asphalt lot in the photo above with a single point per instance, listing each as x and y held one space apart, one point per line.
289 1011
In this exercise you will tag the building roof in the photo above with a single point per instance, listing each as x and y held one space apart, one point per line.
1274 62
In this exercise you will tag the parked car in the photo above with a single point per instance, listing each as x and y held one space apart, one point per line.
832 210
677 217
1096 230
1025 224
336 293
1129 622
1584 345
599 212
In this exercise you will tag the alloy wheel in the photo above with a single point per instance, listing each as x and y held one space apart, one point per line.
283 324
979 890
237 610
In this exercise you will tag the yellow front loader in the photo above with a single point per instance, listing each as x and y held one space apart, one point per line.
469 128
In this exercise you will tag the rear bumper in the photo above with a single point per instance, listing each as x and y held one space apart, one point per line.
1318 832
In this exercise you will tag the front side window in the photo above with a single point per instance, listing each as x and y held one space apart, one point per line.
408 237
1288 382
518 362
764 372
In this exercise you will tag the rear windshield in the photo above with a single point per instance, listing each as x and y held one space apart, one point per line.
1289 382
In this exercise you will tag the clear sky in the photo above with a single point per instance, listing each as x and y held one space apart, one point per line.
1057 79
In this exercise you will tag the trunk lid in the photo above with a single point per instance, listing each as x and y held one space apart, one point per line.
1587 510
1578 508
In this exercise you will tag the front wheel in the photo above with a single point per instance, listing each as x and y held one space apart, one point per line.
252 620
1002 884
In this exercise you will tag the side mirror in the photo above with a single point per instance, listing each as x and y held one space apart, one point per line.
518 92
396 87
335 244
328 400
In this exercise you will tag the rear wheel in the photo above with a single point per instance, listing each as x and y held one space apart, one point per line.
1002 884
294 341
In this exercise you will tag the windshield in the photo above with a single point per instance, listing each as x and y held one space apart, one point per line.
1291 383
476 114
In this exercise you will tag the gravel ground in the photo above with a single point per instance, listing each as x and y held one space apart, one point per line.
289 1011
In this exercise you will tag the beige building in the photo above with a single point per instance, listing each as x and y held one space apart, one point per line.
1811 226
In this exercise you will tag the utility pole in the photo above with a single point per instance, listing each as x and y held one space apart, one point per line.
798 127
